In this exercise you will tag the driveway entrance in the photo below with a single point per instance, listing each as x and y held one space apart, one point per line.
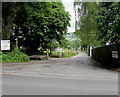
77 66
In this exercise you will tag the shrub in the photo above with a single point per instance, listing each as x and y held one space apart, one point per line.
15 56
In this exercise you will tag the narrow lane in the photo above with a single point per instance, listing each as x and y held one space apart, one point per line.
80 65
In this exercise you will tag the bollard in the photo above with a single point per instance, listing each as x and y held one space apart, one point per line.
47 56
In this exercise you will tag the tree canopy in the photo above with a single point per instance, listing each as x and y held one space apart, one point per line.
85 23
34 24
98 23
108 20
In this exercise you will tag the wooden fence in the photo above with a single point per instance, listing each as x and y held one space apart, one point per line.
107 55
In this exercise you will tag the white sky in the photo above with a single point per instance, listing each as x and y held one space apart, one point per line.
70 8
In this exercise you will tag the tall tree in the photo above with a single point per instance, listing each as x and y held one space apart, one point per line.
108 19
8 15
87 26
38 24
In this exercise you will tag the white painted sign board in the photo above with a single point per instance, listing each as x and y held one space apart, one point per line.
115 54
90 51
5 44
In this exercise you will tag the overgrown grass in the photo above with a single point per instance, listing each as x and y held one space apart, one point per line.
14 56
66 55
56 53
83 51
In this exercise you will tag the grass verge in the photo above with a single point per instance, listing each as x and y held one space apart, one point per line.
69 54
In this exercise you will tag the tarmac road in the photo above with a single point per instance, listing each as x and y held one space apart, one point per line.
57 85
76 75
80 65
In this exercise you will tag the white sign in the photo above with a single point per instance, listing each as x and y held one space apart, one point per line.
115 54
5 44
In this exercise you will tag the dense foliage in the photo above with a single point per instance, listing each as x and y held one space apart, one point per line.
14 56
34 24
85 23
108 20
98 23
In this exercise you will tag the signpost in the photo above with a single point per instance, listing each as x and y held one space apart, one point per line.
5 44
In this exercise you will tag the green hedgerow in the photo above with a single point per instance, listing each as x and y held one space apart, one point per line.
15 56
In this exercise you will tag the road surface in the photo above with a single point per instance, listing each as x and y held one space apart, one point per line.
76 75
49 85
